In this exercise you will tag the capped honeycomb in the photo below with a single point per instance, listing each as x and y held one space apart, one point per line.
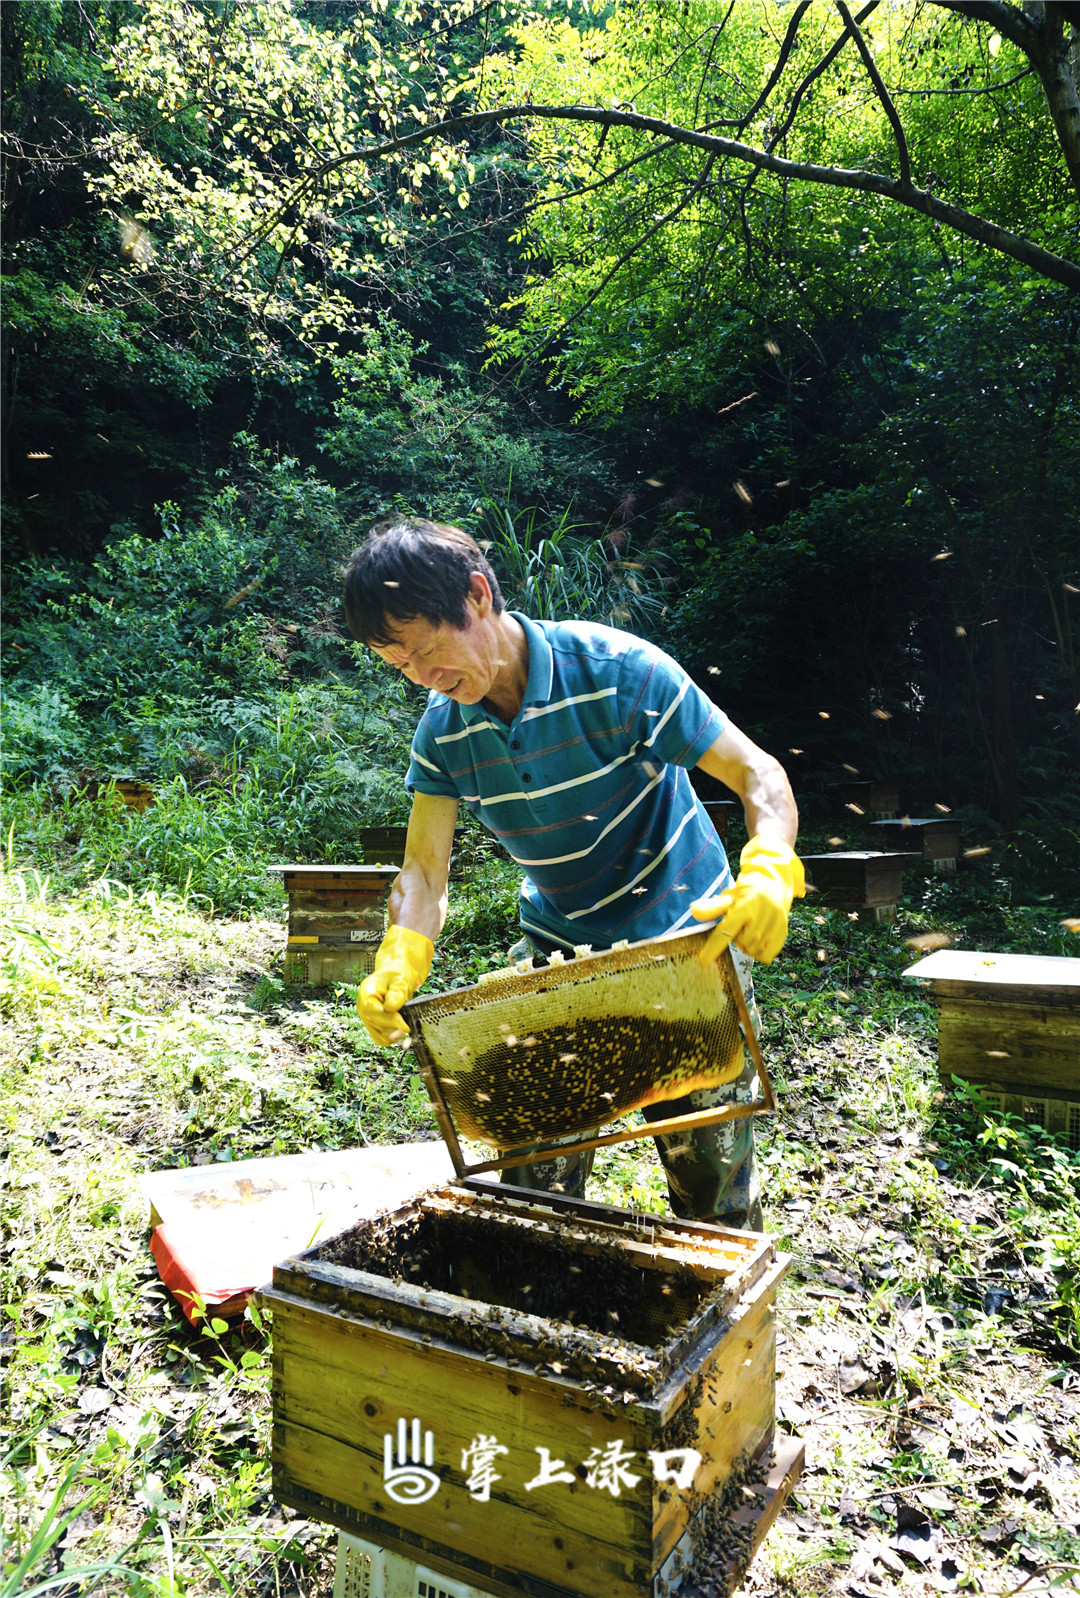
537 1054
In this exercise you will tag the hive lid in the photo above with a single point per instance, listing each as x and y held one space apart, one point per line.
996 970
875 855
902 823
531 1055
360 873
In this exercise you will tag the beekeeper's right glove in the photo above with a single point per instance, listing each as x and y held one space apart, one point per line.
755 908
401 966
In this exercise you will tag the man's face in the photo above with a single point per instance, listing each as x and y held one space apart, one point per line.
462 663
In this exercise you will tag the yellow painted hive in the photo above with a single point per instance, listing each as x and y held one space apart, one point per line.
534 1394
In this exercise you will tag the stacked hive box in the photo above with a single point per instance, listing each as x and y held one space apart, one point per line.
565 1342
136 795
858 879
936 836
1010 1024
337 918
385 846
878 800
125 791
719 812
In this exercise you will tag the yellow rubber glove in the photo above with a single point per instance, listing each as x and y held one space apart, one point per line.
755 908
401 965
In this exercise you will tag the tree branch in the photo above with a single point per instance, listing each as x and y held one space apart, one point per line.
881 91
708 59
985 88
1043 42
1010 21
781 62
669 216
1055 267
826 60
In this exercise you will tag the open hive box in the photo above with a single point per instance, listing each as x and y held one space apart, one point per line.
534 1394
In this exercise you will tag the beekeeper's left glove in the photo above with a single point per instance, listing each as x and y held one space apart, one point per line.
755 908
401 966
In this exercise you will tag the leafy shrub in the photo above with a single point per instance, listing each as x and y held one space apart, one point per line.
434 442
42 736
231 601
151 615
1040 1182
241 783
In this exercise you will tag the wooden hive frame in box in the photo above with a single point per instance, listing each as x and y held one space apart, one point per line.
383 1371
536 1060
403 1345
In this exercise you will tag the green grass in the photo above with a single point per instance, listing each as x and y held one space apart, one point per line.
140 1032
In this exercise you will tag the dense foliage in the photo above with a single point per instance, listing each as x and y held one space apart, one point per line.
816 442
752 328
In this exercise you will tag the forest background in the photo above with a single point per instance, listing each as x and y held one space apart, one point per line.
821 445
752 328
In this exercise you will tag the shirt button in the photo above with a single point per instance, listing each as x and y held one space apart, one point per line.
515 744
525 777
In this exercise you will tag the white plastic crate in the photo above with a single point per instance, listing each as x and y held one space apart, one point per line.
1053 1114
366 1571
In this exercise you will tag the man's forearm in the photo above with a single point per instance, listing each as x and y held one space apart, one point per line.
417 904
418 898
769 806
760 782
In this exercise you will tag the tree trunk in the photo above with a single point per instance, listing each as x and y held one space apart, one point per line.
1005 774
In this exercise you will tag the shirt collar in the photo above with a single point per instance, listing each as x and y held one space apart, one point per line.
541 662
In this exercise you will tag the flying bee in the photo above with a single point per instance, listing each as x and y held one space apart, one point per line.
242 593
135 244
924 942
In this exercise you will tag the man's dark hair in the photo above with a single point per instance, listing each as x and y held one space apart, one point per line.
408 567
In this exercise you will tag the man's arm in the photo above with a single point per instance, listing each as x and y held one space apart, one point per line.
417 913
755 908
760 782
418 898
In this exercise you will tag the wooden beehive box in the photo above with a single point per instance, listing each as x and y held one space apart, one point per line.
561 1333
937 837
719 812
1010 1023
878 800
384 846
337 919
859 879
126 791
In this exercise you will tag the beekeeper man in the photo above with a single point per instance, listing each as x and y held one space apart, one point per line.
572 743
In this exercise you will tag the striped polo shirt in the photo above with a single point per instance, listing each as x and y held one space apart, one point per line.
587 788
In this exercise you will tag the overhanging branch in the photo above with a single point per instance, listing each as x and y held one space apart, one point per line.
1055 267
881 91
